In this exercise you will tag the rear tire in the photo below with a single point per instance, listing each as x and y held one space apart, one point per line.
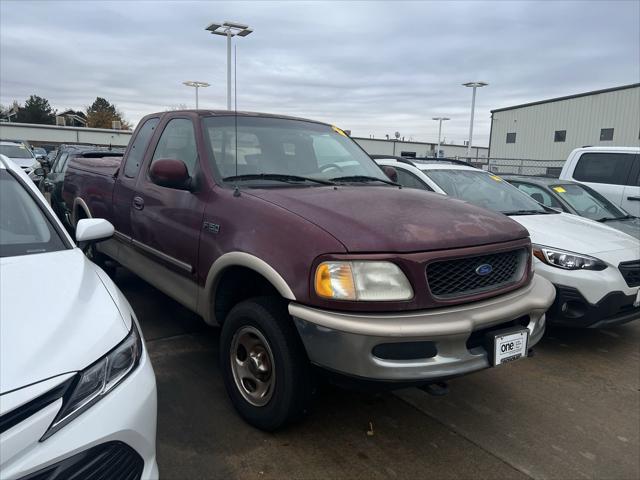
264 365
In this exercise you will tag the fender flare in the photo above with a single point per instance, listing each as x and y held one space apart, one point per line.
79 203
239 259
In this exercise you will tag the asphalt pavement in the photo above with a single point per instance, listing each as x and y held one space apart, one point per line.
570 412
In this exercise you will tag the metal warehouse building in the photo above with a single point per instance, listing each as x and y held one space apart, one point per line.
376 146
550 129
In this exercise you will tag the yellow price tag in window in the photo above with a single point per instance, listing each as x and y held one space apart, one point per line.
337 130
496 178
559 189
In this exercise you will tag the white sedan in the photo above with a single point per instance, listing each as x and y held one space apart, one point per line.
595 269
77 391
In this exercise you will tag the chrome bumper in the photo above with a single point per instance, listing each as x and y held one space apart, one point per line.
343 342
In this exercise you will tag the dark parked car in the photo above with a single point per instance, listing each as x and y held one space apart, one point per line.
578 199
51 183
284 232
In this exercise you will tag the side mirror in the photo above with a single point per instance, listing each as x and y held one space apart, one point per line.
39 172
390 172
93 229
170 173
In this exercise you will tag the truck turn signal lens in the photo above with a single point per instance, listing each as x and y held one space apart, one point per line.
335 280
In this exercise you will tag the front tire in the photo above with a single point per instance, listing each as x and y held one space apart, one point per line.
264 366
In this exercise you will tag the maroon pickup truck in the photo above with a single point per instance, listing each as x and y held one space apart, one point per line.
286 234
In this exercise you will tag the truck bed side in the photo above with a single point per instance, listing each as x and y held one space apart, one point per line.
88 187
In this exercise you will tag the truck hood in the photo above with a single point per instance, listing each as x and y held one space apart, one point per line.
580 235
388 219
57 317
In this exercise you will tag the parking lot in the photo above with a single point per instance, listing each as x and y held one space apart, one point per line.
571 411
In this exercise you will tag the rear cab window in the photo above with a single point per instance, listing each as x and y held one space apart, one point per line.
139 147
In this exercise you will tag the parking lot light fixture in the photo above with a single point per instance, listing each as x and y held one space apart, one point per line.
196 85
440 120
473 85
229 30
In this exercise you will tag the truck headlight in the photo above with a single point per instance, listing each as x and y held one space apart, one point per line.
567 260
369 281
95 381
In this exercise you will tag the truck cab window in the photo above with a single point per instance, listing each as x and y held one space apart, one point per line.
138 147
178 142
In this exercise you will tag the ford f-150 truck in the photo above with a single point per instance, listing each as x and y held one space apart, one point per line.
286 233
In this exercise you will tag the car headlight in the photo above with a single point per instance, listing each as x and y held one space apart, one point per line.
375 281
95 381
567 260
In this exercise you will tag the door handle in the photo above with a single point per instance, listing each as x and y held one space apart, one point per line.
138 203
637 199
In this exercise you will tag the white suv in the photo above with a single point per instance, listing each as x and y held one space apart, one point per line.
77 391
595 269
612 171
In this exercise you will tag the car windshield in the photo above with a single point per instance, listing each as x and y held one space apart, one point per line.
24 228
15 151
587 202
276 151
485 190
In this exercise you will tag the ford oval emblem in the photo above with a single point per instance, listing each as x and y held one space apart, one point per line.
484 269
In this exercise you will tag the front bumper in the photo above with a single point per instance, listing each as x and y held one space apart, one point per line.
124 421
571 309
345 342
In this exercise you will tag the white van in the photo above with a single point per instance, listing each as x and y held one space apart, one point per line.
612 171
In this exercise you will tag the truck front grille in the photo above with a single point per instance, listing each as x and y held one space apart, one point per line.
470 275
631 272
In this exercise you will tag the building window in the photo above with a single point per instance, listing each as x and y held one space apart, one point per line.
606 134
511 137
408 154
560 136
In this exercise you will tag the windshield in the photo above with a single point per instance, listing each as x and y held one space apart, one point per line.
15 151
275 146
587 202
24 229
484 190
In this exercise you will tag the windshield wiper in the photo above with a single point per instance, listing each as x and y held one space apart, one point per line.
363 178
526 212
280 177
608 219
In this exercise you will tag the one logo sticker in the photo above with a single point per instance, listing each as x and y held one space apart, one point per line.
484 269
559 189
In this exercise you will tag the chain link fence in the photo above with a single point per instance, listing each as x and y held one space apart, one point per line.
519 166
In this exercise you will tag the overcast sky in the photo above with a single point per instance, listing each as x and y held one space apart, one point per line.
372 67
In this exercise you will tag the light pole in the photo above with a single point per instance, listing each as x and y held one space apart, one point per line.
229 30
440 120
473 85
196 85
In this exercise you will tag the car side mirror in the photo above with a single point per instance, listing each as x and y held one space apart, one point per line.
390 172
170 173
93 230
39 172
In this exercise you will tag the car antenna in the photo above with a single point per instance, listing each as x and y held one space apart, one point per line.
236 190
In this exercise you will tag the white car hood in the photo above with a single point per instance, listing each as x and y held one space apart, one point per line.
580 235
56 316
23 162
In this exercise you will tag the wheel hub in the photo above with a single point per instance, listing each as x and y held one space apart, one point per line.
252 365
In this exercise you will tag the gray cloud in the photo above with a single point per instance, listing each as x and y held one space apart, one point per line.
372 67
